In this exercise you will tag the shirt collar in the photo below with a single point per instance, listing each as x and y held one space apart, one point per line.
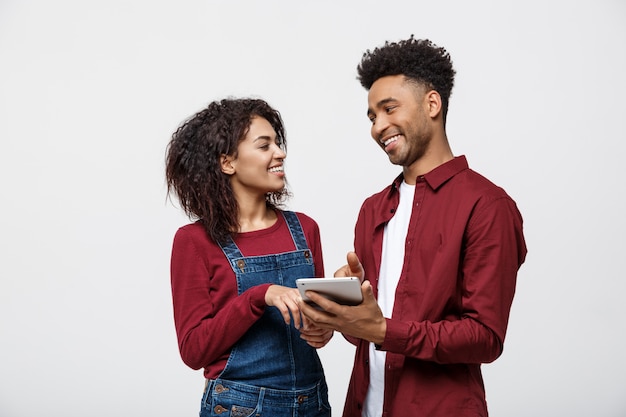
438 176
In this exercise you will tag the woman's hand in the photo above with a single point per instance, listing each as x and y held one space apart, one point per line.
285 299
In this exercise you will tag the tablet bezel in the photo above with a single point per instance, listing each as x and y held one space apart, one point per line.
341 290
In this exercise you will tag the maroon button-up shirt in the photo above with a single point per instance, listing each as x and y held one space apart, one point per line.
463 249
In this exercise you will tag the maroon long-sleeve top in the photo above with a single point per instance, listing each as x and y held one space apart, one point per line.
209 315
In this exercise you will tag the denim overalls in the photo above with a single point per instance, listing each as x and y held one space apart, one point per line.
271 353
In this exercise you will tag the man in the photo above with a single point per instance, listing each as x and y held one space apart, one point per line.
438 251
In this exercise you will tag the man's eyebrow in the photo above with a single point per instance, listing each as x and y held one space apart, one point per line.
385 101
380 104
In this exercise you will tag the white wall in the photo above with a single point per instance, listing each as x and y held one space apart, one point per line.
91 91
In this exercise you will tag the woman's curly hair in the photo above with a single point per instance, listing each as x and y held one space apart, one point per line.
417 59
193 169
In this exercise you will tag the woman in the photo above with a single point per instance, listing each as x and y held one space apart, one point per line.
233 271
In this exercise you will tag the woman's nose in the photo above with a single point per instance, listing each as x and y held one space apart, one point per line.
280 153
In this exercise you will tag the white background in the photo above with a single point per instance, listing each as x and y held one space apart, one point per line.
90 93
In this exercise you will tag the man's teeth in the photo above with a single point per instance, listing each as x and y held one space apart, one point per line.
391 139
276 169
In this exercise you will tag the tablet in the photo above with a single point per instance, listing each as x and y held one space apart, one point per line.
341 290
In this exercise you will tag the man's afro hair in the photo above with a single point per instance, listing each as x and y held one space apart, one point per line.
416 59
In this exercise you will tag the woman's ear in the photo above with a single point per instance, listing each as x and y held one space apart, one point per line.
226 164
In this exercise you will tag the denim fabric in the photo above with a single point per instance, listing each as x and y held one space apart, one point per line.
228 398
271 354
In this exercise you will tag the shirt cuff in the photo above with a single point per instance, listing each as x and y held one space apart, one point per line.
257 297
395 337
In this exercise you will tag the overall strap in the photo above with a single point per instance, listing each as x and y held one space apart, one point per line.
230 248
236 258
295 228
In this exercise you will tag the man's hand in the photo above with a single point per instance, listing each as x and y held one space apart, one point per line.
313 335
364 321
352 269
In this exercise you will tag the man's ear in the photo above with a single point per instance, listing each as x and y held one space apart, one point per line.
226 164
433 103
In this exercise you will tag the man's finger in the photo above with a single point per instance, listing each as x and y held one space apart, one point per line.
323 302
356 269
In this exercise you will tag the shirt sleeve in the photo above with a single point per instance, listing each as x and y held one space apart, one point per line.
204 325
494 249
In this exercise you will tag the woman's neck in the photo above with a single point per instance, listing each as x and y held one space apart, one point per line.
255 216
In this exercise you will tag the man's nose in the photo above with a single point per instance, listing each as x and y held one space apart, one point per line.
379 126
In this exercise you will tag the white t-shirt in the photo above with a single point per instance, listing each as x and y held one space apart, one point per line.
392 260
